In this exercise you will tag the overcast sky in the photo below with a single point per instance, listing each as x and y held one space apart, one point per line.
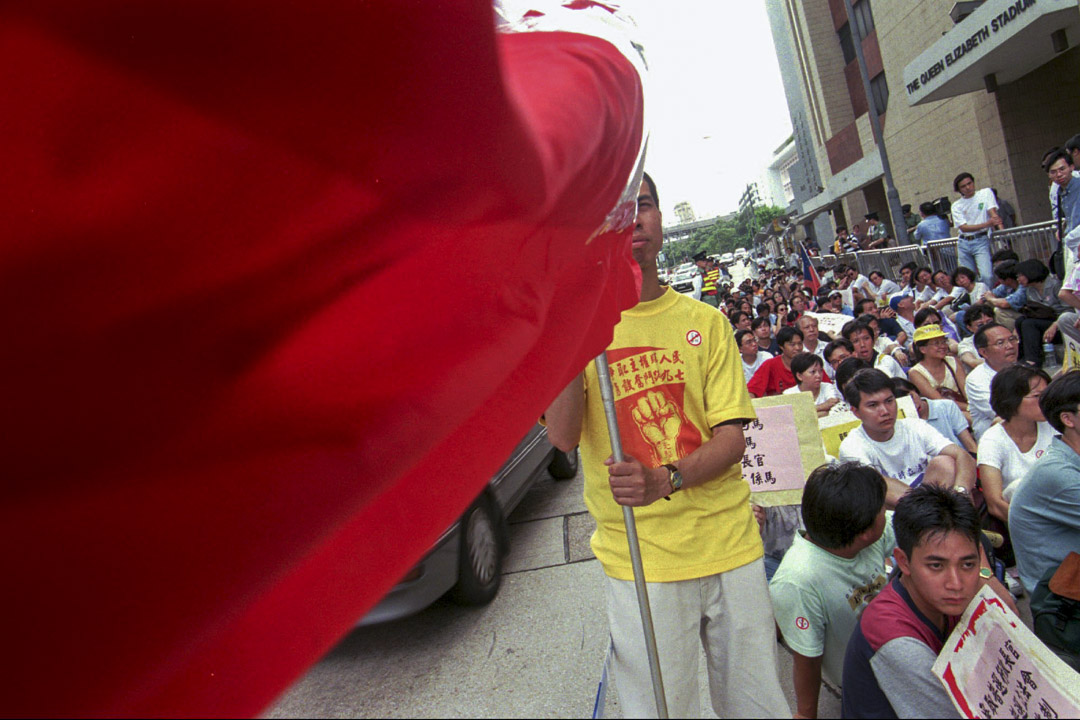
714 75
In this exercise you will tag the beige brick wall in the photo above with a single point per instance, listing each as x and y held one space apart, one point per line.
930 144
1040 111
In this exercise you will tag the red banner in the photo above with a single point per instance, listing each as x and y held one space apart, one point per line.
283 285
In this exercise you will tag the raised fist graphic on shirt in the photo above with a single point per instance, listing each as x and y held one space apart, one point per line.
659 422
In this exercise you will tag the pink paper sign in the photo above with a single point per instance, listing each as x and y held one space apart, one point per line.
772 460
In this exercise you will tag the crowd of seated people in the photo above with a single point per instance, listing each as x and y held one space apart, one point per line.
988 421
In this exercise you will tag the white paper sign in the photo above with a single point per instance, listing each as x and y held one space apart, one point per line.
992 666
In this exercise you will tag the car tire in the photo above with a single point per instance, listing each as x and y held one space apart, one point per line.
564 466
483 545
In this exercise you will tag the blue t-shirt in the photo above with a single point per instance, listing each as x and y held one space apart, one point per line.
934 227
1044 513
945 417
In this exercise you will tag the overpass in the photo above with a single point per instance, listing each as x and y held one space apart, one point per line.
685 230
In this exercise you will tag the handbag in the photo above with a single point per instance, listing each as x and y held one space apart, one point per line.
1055 610
949 393
1035 310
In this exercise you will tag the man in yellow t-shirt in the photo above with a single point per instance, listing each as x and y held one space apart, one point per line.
680 400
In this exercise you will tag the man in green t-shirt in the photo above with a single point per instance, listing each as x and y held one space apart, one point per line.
831 573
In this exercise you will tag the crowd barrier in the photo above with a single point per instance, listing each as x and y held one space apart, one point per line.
1028 241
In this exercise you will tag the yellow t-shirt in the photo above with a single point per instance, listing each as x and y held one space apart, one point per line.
676 373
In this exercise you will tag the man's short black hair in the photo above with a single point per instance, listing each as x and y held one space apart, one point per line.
920 317
1008 388
855 326
960 178
927 208
652 189
763 311
1073 143
1003 255
848 370
738 315
865 382
980 338
928 511
840 501
977 312
912 266
803 362
962 270
875 270
785 334
1006 270
740 334
901 387
1063 395
760 319
1054 156
860 304
835 344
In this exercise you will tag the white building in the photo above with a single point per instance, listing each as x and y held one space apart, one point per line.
775 186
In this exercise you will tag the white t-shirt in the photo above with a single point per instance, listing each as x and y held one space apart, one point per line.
977 390
974 210
818 597
927 293
908 327
861 281
888 365
998 450
826 392
904 457
888 287
749 370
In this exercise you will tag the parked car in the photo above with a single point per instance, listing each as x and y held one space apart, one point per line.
683 281
466 560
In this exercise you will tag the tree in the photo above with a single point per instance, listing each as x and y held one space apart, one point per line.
763 215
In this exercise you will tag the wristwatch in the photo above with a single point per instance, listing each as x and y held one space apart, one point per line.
674 477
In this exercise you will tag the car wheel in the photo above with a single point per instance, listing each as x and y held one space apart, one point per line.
483 545
564 466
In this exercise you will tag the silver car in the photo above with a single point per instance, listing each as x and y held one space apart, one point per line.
466 560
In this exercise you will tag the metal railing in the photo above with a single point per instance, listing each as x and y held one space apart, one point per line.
1037 240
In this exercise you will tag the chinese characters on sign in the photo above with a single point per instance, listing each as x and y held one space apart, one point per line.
772 460
994 667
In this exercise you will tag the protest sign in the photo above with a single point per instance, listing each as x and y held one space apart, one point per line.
1072 354
992 666
782 447
836 426
831 323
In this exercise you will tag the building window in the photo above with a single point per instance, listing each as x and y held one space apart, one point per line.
864 23
864 20
880 90
847 45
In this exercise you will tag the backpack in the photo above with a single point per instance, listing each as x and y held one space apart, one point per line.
1055 610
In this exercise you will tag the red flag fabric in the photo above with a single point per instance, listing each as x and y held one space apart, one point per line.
284 285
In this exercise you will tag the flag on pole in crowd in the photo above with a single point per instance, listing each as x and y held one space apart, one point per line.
810 275
285 283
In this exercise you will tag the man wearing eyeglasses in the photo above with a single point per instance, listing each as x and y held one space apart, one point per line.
998 346
1059 166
